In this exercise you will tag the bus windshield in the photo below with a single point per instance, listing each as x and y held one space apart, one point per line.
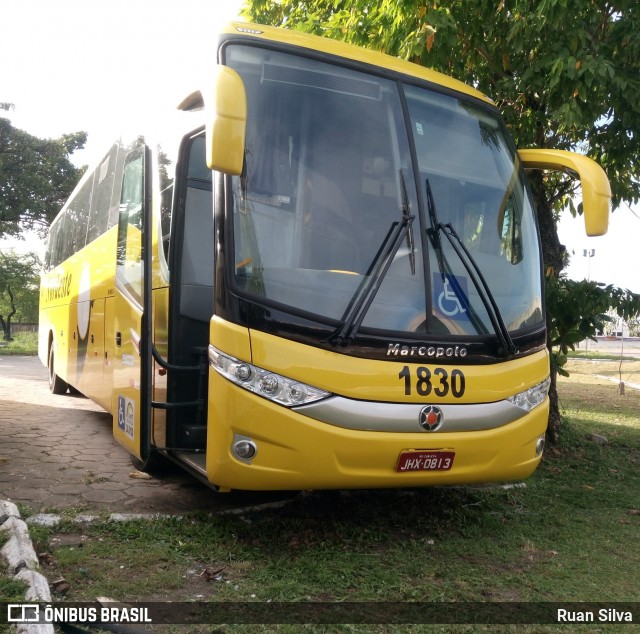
335 171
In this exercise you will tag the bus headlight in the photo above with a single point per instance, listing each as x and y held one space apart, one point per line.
273 386
269 384
531 398
243 371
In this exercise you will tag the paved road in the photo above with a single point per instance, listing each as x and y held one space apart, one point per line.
57 453
630 347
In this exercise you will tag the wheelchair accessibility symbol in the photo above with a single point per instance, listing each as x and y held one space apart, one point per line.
451 296
126 416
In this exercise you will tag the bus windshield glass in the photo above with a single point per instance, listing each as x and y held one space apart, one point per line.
330 182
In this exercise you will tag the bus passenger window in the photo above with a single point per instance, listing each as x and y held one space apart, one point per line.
98 217
129 256
166 201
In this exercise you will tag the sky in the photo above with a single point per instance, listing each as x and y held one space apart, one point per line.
71 65
613 258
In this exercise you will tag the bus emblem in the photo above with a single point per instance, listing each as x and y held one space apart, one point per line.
430 418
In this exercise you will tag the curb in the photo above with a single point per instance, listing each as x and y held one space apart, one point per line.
23 564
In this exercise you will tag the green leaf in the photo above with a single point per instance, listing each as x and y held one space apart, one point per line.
31 197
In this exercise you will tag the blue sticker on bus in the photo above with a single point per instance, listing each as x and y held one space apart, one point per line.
121 412
450 296
126 416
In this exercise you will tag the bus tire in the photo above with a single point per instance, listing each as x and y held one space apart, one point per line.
155 464
56 384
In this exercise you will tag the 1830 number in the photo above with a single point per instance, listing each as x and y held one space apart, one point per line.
440 382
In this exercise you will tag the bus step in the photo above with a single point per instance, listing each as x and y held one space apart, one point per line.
195 436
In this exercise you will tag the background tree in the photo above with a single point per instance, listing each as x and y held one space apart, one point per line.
19 289
36 177
634 326
565 74
581 309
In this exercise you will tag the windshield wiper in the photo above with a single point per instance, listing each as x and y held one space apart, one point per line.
434 232
472 268
405 215
475 273
370 285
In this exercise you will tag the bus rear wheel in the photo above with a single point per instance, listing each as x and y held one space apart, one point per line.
56 384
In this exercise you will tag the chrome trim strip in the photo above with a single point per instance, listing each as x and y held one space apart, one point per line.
403 417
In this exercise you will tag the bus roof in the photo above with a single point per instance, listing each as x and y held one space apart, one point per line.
351 52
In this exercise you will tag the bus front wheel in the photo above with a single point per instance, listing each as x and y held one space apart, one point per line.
155 464
56 384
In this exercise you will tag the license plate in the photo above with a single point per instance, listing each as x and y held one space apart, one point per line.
425 461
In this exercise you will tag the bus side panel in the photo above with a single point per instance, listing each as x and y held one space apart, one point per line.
44 328
95 288
160 340
92 383
125 402
53 328
61 341
109 353
74 351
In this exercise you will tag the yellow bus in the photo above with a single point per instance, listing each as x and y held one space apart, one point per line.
331 277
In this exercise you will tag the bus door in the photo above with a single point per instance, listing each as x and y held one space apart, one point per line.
191 306
131 331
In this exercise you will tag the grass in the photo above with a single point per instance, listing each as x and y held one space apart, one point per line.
591 372
24 343
572 534
598 356
11 590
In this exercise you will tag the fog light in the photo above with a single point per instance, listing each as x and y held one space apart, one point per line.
244 449
540 446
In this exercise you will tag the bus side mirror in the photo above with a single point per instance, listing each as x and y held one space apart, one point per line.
225 111
226 122
596 191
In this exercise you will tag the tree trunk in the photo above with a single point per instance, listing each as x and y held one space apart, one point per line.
6 322
555 420
553 255
6 329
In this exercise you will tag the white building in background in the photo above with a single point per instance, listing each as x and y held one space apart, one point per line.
620 329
